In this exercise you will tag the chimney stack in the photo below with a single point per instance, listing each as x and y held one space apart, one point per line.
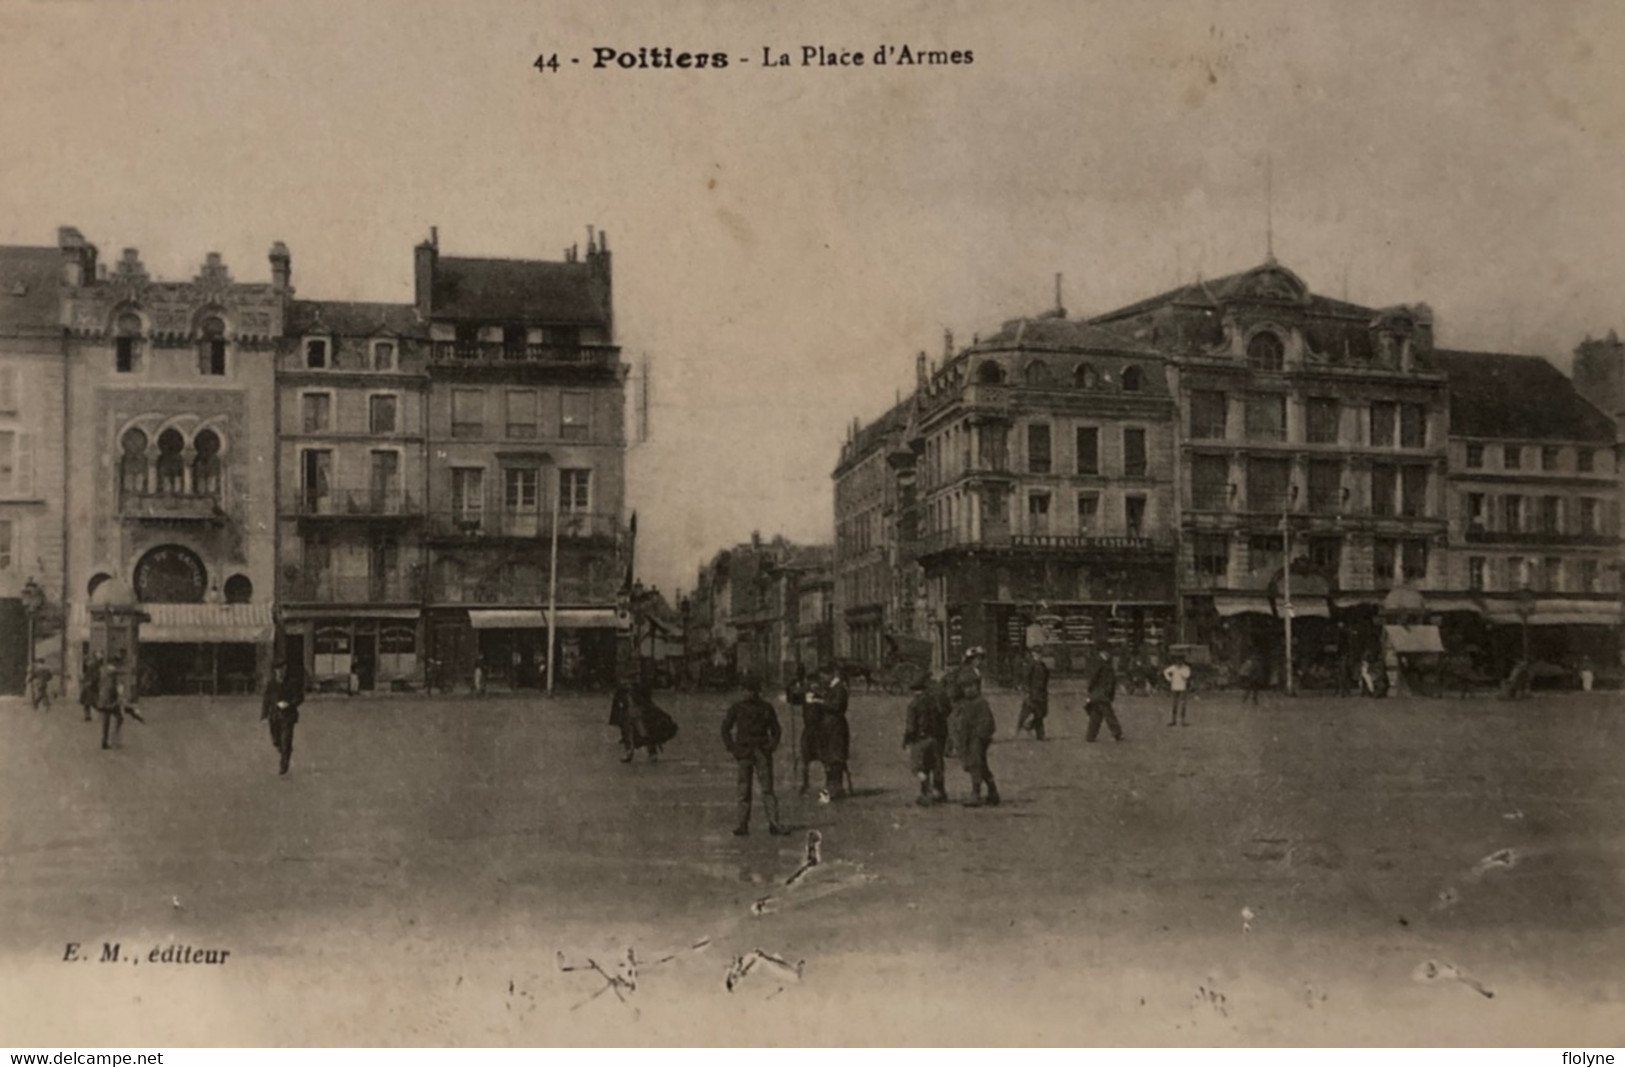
281 267
947 346
424 258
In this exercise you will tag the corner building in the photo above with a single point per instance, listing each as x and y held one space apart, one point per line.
526 458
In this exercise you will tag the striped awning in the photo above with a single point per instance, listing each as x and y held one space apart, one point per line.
204 624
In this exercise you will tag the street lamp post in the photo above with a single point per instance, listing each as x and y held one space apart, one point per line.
1289 685
1525 608
553 579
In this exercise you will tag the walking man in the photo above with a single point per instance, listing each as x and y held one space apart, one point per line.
1035 708
925 736
283 695
39 684
813 711
1178 675
835 748
750 731
89 673
110 701
975 727
1102 691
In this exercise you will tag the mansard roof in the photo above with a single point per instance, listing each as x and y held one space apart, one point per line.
353 318
29 279
518 290
1496 394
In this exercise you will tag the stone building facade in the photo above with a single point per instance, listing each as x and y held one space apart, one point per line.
33 420
171 479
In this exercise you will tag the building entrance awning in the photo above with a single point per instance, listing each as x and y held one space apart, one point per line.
206 624
535 619
1556 611
1410 639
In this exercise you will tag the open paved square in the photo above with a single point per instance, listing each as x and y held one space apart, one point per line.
1281 874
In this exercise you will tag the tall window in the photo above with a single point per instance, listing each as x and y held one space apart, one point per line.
1384 559
468 496
1586 576
1517 572
1210 483
211 351
1321 416
1326 553
132 466
1088 512
1585 460
8 544
1384 419
1511 514
316 479
1207 415
1325 486
1413 491
316 410
384 481
1475 457
1088 450
171 464
1551 515
1548 458
575 490
1266 417
383 355
1212 555
1038 451
8 390
1590 516
522 413
381 412
1476 511
1084 377
1267 481
1475 573
206 464
1265 352
1038 513
1264 552
467 412
1512 457
127 344
575 414
1384 478
521 493
1413 426
316 354
1551 571
1134 516
1415 560
17 463
1133 380
1133 452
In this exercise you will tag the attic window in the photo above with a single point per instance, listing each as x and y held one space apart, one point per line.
1265 352
1131 379
1085 376
316 354
383 355
989 373
1037 373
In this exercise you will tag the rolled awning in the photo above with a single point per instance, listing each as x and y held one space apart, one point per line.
204 624
588 619
507 620
1308 609
1241 605
1408 639
1554 611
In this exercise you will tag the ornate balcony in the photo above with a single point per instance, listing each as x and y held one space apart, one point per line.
495 353
171 507
366 502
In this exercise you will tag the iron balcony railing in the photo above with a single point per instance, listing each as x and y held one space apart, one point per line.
1479 535
361 502
351 589
475 523
170 507
487 353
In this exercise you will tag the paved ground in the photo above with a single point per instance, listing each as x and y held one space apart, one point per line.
415 878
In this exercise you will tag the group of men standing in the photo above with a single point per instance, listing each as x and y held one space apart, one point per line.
751 732
952 717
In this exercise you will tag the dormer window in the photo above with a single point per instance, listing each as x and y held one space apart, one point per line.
1131 379
1266 352
127 344
316 353
1037 373
1085 377
211 352
383 355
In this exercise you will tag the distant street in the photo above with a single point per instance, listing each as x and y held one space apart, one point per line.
1272 875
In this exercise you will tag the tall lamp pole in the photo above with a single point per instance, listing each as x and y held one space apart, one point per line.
1288 684
553 578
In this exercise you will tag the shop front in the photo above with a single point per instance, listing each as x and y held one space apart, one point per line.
355 650
205 649
510 644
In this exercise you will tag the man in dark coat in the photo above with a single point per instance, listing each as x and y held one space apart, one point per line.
89 674
621 716
750 731
974 728
835 745
1035 708
925 735
1102 691
814 710
110 700
280 708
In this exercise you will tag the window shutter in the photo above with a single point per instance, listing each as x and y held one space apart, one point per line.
8 390
23 478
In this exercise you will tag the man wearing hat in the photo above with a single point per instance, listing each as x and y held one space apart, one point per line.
750 731
835 744
974 728
1035 708
1102 691
925 735
1178 675
110 700
280 708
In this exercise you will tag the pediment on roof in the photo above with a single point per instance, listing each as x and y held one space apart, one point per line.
1272 282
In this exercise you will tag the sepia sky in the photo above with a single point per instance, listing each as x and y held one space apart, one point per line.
785 240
